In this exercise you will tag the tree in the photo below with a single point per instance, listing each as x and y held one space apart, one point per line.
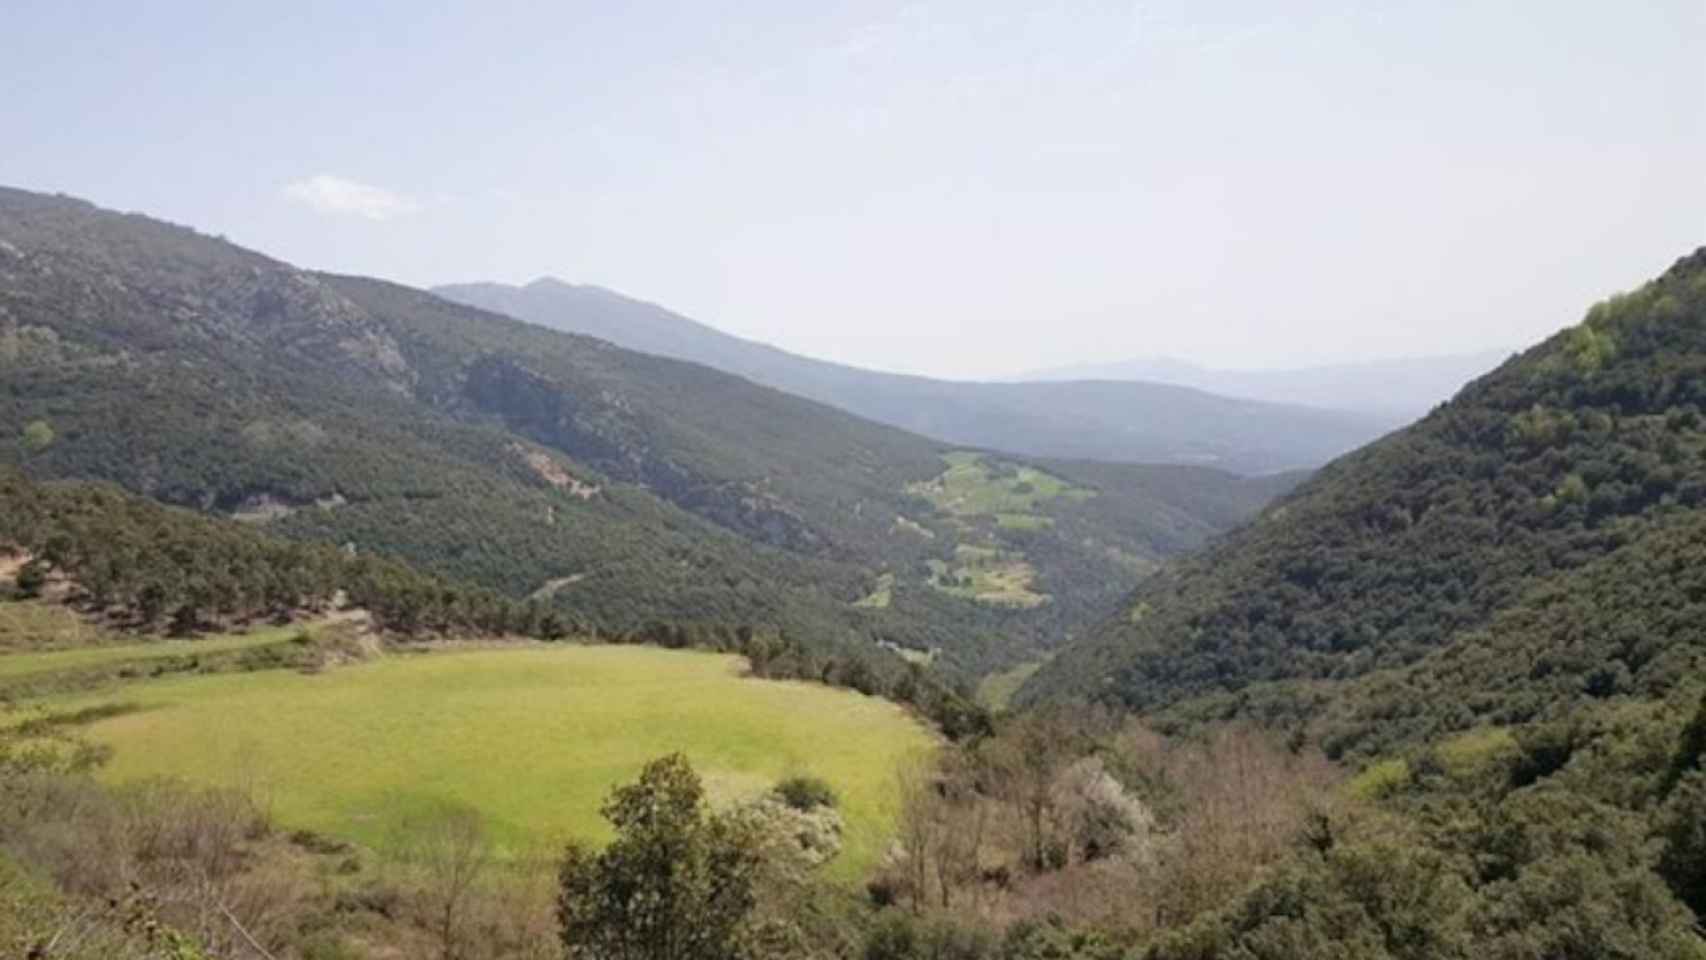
450 848
32 576
675 884
38 436
920 825
1682 827
1030 757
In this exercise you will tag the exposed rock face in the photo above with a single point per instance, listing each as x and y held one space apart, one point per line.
552 472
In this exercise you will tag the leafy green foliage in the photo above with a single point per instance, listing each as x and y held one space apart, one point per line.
38 436
1497 612
675 884
165 565
806 793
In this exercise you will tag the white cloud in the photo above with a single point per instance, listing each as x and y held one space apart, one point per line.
336 196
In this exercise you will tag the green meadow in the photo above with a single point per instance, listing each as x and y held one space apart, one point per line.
977 494
971 486
55 661
532 737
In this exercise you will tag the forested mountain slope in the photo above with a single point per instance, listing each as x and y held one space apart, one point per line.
1576 469
626 489
1499 616
1105 420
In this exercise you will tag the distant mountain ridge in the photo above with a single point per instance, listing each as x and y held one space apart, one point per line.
1121 422
1405 387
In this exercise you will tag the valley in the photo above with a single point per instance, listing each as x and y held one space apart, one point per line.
627 491
1006 481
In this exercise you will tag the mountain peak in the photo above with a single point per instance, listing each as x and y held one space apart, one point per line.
548 282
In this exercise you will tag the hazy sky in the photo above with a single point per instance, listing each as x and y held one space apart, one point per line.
963 189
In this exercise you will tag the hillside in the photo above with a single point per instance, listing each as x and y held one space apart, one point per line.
628 490
1455 554
1129 422
1405 388
1496 615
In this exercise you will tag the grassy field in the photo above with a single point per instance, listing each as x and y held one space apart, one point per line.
972 486
55 661
988 575
978 493
532 737
29 626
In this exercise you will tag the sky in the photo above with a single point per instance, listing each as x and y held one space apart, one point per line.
958 189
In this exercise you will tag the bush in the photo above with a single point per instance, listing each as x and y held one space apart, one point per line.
32 577
806 793
898 936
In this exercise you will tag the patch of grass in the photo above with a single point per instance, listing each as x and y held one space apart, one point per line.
14 665
982 495
532 737
881 597
34 625
1023 521
988 575
996 690
48 722
973 486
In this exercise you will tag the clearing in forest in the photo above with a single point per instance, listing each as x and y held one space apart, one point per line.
532 737
989 575
974 486
985 497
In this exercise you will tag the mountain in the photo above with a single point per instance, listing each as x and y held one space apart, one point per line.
1403 388
633 492
1495 618
1130 422
1449 567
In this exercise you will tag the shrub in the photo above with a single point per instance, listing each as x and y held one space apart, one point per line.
806 793
32 577
1381 780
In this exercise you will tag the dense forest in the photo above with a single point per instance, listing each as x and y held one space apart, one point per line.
1582 446
1495 616
619 487
148 568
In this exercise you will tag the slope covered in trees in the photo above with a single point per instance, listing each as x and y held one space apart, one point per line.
1543 479
1496 615
630 491
1104 420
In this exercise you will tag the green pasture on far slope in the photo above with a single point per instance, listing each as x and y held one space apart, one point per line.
532 737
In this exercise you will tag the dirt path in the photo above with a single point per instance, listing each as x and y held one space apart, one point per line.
550 587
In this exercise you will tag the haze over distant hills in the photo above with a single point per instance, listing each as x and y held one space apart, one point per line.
1113 421
1398 387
